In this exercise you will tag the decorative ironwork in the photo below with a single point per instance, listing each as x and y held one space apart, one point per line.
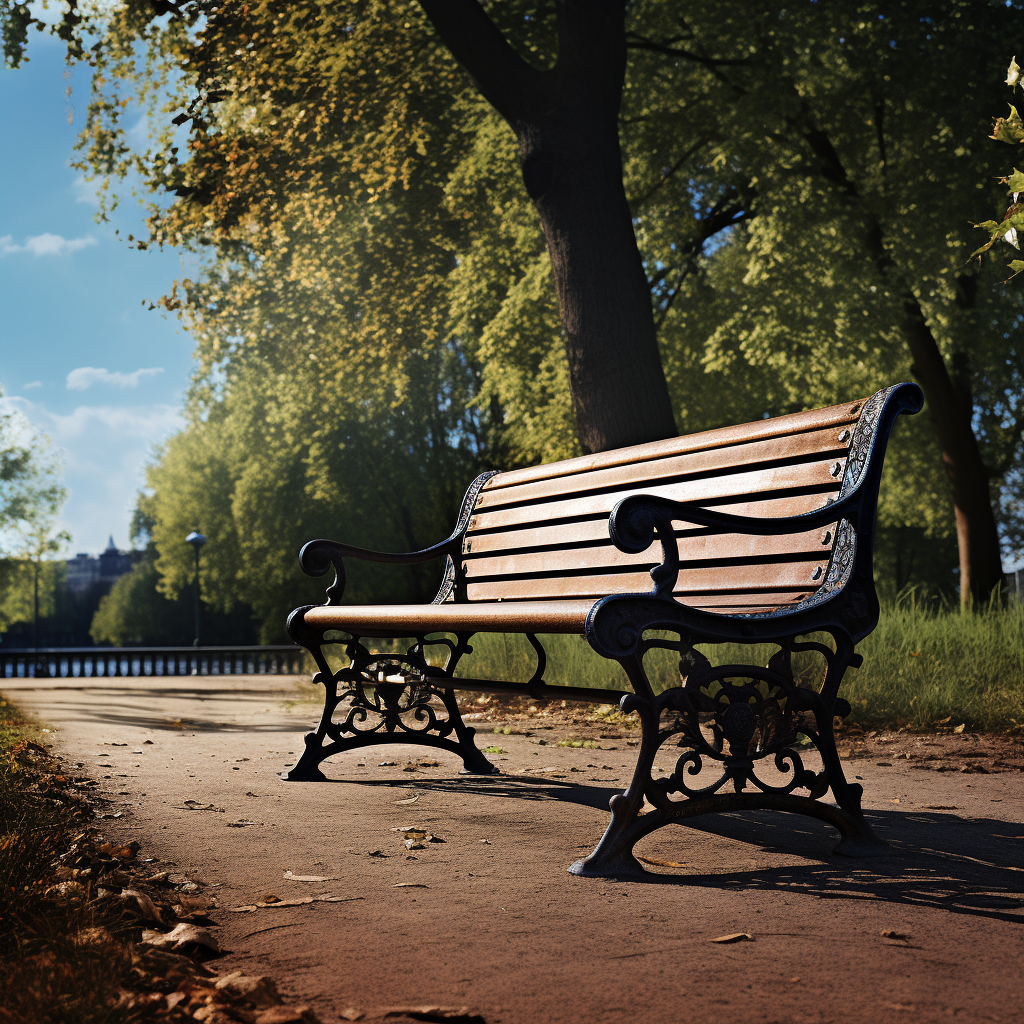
751 713
729 722
864 438
387 698
450 577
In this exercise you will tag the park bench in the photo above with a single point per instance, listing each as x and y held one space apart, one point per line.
753 534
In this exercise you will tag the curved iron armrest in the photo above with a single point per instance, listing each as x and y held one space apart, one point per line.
636 521
317 556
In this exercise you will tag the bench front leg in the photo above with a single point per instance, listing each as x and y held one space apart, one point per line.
745 710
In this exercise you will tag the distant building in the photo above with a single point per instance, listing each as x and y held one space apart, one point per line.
85 570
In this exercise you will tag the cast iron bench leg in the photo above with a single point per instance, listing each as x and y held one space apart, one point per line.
386 712
613 855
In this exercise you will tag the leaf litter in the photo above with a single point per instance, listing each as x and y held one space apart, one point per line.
265 902
417 838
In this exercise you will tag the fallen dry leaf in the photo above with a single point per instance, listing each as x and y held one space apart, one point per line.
960 727
284 1015
735 937
455 1014
888 933
660 863
409 799
326 898
241 823
256 989
351 1013
411 885
941 807
181 937
146 906
307 878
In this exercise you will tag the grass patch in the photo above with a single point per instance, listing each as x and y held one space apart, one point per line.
924 669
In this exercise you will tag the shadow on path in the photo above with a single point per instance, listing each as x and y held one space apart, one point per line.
937 860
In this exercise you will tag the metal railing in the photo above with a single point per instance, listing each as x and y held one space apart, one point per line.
96 662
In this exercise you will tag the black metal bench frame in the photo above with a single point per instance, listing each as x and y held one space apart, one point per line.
749 713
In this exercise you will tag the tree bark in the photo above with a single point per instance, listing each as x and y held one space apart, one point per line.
566 123
981 568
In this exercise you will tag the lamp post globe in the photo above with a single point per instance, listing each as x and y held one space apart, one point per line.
197 540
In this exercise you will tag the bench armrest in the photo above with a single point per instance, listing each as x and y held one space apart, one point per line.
633 519
317 556
635 522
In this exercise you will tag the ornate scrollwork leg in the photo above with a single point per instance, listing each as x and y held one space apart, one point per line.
733 717
391 699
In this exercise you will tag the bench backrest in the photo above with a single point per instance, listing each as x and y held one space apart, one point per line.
542 532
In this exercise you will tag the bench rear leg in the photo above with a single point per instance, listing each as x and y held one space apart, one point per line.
381 711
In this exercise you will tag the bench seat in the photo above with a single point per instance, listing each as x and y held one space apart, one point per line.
758 533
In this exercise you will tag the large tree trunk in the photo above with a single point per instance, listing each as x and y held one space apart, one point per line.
980 565
566 121
950 410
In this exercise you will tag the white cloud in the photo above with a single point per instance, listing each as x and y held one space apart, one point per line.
85 376
45 244
32 384
105 448
134 422
85 191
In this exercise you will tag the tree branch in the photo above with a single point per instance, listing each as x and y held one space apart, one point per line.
726 213
638 42
641 199
506 81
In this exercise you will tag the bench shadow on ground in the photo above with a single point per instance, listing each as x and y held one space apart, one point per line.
935 860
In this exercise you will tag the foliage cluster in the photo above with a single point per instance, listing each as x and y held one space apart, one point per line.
1009 129
375 320
31 496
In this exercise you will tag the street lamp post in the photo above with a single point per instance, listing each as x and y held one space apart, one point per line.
197 540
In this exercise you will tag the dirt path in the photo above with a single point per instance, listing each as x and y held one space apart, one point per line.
490 920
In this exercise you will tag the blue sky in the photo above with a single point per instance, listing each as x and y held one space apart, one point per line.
80 356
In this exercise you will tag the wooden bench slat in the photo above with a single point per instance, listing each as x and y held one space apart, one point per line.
738 604
494 616
733 578
544 535
817 419
701 546
820 476
820 443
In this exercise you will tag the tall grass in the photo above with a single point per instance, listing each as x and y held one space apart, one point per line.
923 668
